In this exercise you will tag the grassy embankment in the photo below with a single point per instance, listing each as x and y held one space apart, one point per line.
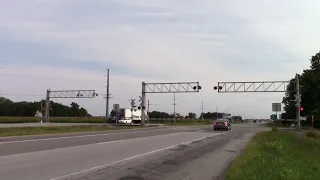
22 131
279 155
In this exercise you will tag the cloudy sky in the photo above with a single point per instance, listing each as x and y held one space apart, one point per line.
68 44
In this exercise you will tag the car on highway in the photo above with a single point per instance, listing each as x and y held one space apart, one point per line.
222 124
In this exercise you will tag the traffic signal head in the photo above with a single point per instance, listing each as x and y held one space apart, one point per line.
301 108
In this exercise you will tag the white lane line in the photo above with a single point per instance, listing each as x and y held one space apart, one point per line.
86 171
107 142
89 135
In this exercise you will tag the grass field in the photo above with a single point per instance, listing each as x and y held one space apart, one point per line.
278 155
22 131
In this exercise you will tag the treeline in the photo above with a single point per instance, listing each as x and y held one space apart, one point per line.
213 115
10 108
164 115
191 115
310 93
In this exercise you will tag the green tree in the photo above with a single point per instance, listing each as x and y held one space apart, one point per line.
75 109
10 108
158 114
310 90
83 112
191 115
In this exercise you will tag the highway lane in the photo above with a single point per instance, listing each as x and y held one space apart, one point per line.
169 155
16 145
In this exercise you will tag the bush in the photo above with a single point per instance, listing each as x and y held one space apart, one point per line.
312 134
275 129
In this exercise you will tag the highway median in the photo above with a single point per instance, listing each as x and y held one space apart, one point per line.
278 154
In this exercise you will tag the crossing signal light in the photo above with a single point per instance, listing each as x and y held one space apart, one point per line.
216 87
143 107
195 87
301 109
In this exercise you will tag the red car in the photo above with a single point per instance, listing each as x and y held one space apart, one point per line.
222 124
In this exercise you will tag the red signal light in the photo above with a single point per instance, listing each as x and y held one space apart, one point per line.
301 109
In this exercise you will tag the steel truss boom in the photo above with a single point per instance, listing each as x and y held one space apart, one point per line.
259 86
179 87
72 94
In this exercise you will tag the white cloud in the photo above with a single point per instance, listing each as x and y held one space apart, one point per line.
165 41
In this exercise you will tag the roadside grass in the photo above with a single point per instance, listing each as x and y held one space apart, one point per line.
313 134
22 131
6 119
278 155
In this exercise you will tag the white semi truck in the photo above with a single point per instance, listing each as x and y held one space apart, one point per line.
126 116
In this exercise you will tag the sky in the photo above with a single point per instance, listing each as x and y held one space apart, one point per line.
69 44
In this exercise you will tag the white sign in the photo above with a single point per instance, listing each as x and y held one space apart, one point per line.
303 118
140 99
298 98
276 107
133 102
38 114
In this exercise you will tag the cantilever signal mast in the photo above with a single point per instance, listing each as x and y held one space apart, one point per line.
177 87
67 94
262 86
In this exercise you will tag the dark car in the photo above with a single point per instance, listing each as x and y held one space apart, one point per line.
222 124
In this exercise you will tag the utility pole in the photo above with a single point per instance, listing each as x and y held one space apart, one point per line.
298 100
47 105
107 95
41 110
217 112
202 111
148 108
174 107
148 111
143 104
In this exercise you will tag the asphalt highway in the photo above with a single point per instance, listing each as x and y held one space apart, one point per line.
144 154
